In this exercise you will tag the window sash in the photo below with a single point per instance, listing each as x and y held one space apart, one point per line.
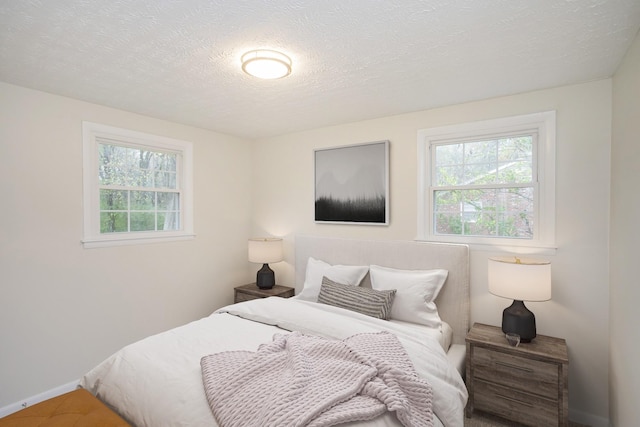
497 163
133 168
169 215
493 219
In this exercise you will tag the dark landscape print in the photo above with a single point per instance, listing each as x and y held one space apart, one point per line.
351 184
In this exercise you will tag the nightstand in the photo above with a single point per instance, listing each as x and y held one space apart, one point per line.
527 384
251 291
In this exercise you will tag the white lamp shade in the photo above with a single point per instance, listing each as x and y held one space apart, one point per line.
265 250
520 278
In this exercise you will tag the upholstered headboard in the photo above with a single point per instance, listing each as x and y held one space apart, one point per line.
453 300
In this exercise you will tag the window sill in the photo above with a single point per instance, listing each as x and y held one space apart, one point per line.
504 245
92 243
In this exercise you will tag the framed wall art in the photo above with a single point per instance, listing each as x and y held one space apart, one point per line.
352 184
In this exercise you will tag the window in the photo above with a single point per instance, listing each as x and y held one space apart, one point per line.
490 182
137 187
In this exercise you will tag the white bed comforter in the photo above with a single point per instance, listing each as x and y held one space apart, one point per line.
157 381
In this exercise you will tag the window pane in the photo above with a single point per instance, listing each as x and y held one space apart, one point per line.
143 200
113 222
448 201
168 221
516 148
168 201
450 154
113 200
142 221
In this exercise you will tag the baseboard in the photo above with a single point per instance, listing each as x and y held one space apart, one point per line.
29 401
588 419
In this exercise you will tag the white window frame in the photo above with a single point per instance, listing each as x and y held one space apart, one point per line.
92 133
544 124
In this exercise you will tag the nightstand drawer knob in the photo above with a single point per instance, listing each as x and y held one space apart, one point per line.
511 366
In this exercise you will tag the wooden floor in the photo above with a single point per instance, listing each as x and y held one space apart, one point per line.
486 420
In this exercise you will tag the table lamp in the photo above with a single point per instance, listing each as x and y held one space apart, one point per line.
520 279
264 250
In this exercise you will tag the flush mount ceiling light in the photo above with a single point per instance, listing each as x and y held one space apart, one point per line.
266 64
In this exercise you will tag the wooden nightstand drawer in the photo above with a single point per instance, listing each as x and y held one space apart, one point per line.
517 406
517 372
251 291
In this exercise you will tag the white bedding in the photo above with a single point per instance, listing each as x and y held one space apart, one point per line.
443 334
456 353
158 381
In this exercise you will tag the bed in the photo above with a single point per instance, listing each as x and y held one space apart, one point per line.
183 376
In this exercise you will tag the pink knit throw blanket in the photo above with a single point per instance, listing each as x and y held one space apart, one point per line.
302 380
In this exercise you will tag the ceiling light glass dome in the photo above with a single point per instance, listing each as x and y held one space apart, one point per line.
266 64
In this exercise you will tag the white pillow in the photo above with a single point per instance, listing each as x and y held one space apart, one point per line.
316 270
416 291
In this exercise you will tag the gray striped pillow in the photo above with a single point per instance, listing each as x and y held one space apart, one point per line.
362 300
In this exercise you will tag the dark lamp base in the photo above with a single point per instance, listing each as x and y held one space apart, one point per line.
519 320
265 279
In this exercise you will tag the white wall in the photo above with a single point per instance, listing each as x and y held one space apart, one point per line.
578 312
64 308
625 237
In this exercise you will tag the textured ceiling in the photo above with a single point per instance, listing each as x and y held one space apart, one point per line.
353 59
